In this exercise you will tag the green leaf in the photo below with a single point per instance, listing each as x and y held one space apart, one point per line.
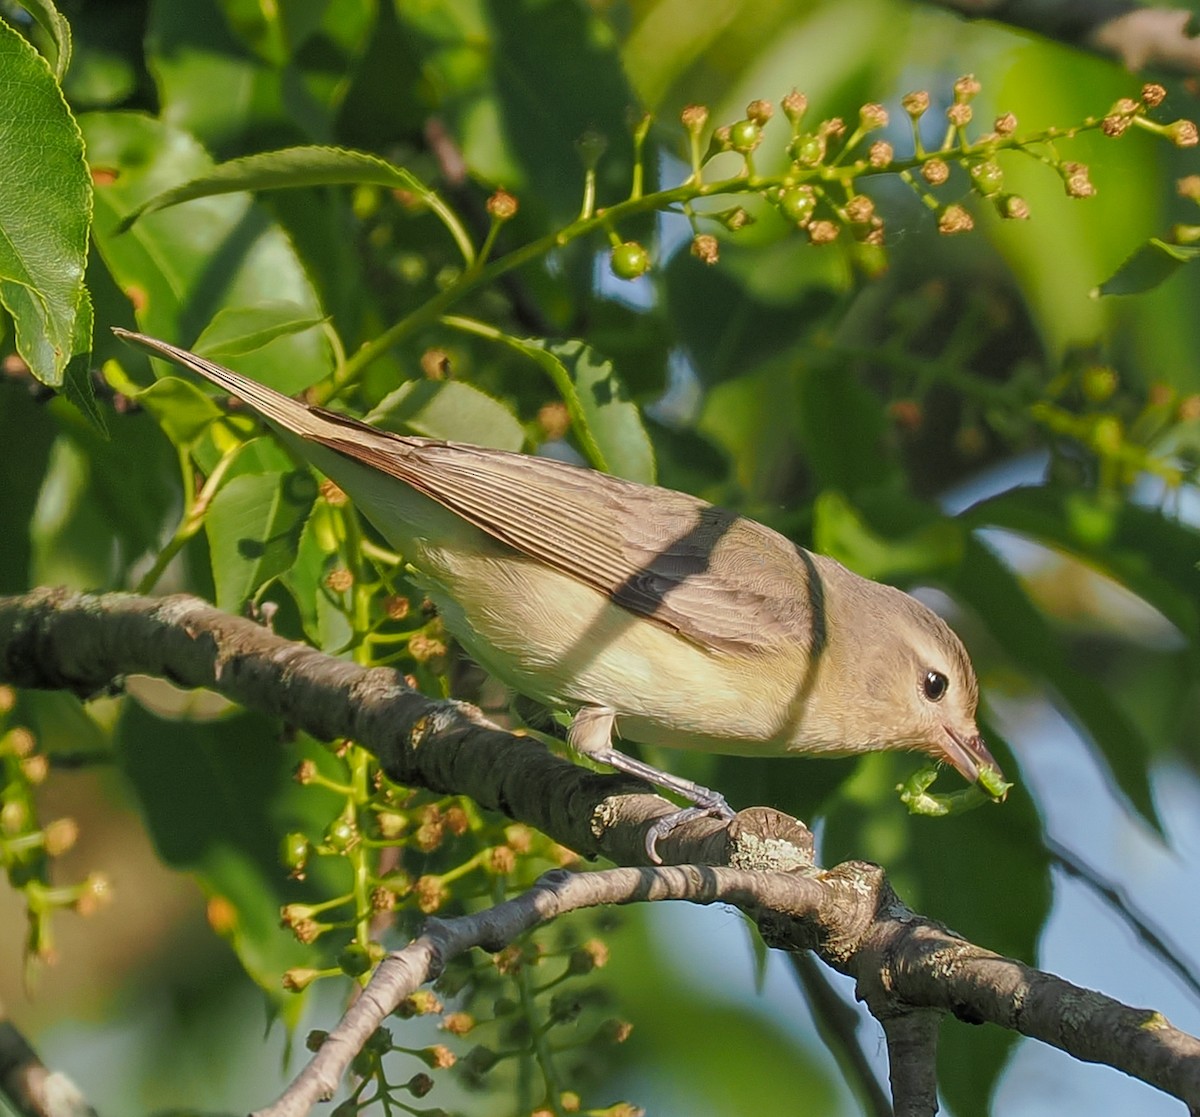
273 31
1152 264
451 410
113 500
841 531
272 341
213 82
727 326
238 330
519 83
606 422
304 166
843 428
254 526
78 385
1147 552
326 625
181 268
182 410
27 435
217 796
45 212
51 20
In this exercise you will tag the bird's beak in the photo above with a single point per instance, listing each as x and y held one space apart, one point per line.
968 754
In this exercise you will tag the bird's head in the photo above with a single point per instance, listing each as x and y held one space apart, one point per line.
918 688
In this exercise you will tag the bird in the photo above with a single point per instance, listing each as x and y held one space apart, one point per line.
649 613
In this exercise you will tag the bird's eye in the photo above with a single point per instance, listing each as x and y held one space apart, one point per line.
935 685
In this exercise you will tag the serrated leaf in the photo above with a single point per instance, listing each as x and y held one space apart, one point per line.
303 166
253 527
451 410
45 212
51 20
1151 265
324 624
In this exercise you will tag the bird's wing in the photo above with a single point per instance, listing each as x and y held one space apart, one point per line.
718 579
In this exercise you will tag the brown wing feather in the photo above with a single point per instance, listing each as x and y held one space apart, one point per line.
718 579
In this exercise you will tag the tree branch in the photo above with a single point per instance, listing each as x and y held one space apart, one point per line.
29 1086
1138 37
908 969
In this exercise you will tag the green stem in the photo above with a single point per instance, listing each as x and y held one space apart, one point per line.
192 521
471 279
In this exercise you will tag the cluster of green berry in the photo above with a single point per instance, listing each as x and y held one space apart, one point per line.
27 846
819 191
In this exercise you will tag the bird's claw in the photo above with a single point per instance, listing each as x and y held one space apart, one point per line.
713 805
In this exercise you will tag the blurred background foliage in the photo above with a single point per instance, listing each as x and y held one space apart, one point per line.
968 421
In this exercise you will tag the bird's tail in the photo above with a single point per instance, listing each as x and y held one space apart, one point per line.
272 405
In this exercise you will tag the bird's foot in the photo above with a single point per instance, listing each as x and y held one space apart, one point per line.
708 804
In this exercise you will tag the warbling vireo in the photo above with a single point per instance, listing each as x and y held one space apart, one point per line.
647 611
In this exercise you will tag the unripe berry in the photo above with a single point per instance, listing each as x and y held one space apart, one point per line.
502 206
1183 133
794 105
808 151
341 835
880 154
1153 95
955 219
872 116
745 136
629 260
988 177
694 118
1098 383
1012 207
1107 435
293 851
1005 125
353 960
797 203
706 249
822 232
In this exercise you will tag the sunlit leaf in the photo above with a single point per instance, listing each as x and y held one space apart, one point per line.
45 212
607 423
51 20
449 409
302 166
253 528
180 269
